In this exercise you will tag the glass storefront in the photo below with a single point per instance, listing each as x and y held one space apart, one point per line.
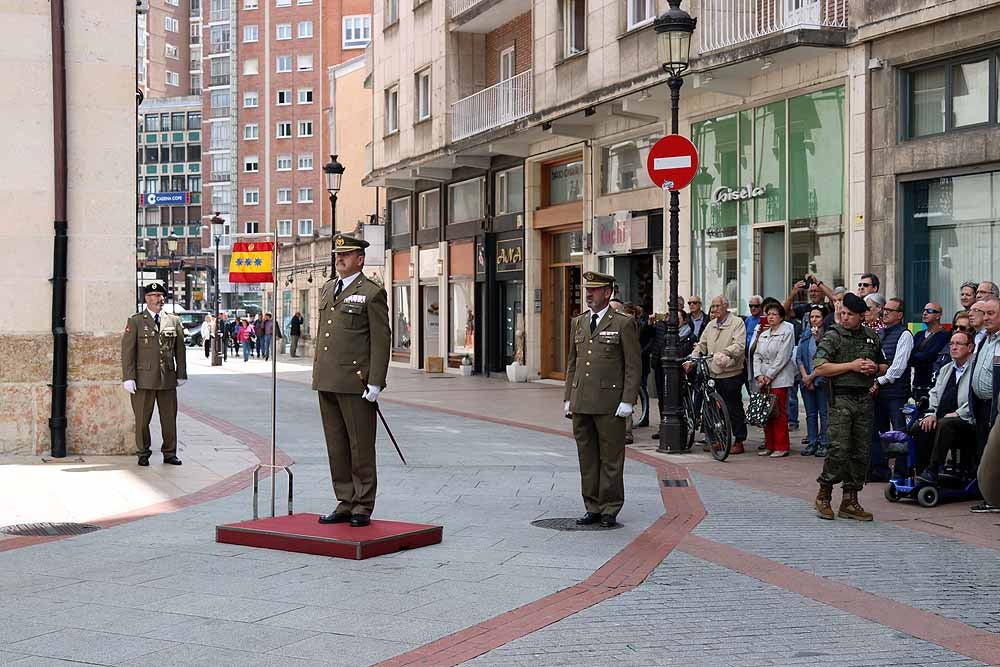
767 202
401 318
462 340
951 232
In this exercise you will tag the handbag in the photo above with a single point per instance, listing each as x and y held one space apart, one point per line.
761 408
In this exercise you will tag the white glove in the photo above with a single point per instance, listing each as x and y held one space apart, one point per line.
624 410
129 386
566 408
371 393
181 383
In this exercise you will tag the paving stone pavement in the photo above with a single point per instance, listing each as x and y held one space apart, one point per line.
692 612
947 577
160 592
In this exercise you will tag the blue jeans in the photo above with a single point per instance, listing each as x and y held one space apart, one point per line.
793 401
265 345
246 350
816 412
888 417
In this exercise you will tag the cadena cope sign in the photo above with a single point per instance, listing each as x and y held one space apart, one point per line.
672 162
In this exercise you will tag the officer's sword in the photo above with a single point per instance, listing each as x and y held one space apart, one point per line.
388 430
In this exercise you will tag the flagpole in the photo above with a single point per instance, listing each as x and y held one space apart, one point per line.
274 369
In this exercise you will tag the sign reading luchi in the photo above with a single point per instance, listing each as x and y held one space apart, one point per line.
723 194
251 262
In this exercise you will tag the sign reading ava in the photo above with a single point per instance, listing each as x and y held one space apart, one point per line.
723 194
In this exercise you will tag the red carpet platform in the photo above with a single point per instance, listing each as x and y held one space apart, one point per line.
302 533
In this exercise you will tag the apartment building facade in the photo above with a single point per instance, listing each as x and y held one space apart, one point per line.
795 116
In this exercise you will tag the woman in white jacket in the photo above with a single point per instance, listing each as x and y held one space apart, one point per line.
775 372
207 331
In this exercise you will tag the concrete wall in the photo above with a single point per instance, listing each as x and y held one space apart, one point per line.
353 127
100 54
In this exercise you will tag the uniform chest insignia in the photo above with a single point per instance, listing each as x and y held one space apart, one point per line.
356 298
608 334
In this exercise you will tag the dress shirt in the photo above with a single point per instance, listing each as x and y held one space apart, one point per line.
982 368
960 370
600 316
347 281
698 325
155 316
901 361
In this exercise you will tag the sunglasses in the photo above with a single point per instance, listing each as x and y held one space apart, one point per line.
931 311
962 327
755 305
864 284
694 303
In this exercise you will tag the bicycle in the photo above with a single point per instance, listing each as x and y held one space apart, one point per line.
713 417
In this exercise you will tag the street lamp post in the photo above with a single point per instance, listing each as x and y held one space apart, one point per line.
218 226
140 259
172 247
334 172
673 37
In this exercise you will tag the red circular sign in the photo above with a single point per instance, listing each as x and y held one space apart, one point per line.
672 162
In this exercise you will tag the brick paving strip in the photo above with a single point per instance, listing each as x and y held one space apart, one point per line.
261 447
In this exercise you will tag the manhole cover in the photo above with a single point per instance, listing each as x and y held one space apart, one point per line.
48 529
675 482
569 524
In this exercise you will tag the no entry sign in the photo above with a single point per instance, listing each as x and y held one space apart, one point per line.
672 162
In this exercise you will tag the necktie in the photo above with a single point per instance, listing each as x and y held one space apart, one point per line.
593 323
340 286
156 318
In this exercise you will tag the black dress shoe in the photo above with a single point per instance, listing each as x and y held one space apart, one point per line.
359 520
607 521
144 461
588 519
172 460
334 517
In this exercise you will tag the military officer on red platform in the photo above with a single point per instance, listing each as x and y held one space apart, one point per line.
349 371
153 366
602 383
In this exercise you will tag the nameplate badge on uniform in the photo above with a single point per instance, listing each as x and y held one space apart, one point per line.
356 298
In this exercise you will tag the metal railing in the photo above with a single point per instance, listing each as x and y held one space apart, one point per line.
219 112
725 23
492 107
218 80
218 15
458 7
218 47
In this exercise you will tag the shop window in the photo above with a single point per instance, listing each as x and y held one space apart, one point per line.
623 165
567 248
816 155
950 231
429 214
465 201
462 338
401 317
510 191
769 161
400 216
951 95
565 182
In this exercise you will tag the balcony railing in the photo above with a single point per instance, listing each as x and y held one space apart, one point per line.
725 23
218 80
218 47
219 112
216 15
459 7
492 107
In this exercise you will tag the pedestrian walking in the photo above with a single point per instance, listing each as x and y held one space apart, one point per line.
222 333
602 383
295 331
258 336
207 331
349 372
775 373
267 335
850 355
245 338
153 366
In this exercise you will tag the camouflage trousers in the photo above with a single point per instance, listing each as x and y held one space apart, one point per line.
849 437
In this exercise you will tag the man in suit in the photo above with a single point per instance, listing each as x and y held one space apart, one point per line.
349 371
602 383
153 366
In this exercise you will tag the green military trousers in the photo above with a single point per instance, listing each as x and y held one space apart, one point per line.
849 436
600 444
349 427
165 401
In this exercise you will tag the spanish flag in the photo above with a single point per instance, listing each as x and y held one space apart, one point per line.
251 262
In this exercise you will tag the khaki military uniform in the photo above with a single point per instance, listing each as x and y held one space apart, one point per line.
352 351
154 357
852 408
603 370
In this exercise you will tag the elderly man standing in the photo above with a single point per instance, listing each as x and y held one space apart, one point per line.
602 383
724 341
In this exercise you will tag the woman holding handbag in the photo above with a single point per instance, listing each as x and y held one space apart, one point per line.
775 373
814 388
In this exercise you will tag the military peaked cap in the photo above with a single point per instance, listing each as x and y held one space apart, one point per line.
595 279
345 243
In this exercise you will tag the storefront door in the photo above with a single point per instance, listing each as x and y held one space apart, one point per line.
431 321
512 307
561 306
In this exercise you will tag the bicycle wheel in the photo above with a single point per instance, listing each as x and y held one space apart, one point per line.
715 419
640 409
689 418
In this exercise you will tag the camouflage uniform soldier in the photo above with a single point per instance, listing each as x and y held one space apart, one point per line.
851 356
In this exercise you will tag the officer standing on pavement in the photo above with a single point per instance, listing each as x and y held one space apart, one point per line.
850 354
349 371
602 383
153 366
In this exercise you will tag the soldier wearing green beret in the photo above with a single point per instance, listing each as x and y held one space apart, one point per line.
349 371
850 354
602 383
153 366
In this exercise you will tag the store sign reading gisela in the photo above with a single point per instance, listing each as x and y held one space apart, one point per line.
723 194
